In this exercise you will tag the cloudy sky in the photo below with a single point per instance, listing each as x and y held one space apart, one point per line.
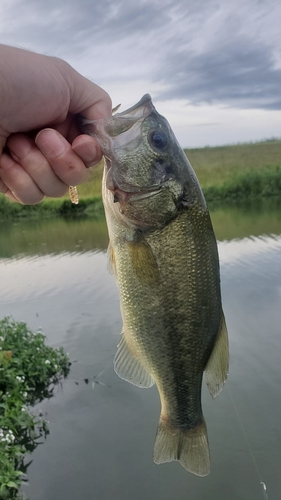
212 67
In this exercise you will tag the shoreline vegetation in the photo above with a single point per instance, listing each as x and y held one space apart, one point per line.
29 372
226 173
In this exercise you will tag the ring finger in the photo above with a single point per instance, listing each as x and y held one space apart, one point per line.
16 184
26 154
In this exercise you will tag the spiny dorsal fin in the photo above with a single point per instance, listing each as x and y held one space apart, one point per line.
143 261
116 108
128 367
216 370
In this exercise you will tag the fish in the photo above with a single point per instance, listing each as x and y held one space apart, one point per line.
163 252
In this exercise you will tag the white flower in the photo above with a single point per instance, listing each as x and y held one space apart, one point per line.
19 379
24 394
1 339
23 408
47 362
8 437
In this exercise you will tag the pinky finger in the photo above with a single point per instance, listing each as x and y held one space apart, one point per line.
7 192
16 184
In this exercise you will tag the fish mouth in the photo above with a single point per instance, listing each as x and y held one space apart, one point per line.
121 196
123 192
138 110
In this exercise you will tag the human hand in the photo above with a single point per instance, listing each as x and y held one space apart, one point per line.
42 151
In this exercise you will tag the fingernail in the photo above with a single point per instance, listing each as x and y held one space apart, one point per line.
50 143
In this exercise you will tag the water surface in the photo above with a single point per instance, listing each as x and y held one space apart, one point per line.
54 275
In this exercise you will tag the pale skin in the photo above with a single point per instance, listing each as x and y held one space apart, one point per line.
42 151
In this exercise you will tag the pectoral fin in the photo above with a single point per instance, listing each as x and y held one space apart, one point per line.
129 368
216 370
143 261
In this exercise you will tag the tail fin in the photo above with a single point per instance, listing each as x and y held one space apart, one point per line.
190 447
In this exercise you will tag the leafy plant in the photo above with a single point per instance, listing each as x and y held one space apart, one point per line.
29 371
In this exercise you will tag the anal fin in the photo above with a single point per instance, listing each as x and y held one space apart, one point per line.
216 370
129 368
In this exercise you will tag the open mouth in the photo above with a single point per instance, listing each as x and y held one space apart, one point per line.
120 196
127 193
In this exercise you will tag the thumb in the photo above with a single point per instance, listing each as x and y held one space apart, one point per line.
87 98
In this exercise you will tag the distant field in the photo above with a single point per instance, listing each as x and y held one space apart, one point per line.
225 173
217 165
239 171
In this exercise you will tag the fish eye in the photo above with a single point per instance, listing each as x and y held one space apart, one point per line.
158 139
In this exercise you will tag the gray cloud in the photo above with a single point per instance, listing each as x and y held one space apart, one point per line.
210 51
239 74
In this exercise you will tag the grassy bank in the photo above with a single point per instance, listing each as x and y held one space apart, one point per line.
51 207
236 172
226 172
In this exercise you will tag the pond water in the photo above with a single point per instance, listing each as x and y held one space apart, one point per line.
54 275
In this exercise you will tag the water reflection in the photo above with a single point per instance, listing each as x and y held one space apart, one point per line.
101 439
44 237
252 218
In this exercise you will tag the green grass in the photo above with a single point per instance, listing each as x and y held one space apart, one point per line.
235 172
239 171
216 165
51 207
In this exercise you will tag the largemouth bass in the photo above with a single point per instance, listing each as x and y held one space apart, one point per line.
163 253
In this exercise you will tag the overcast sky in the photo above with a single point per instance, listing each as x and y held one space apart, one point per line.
212 67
